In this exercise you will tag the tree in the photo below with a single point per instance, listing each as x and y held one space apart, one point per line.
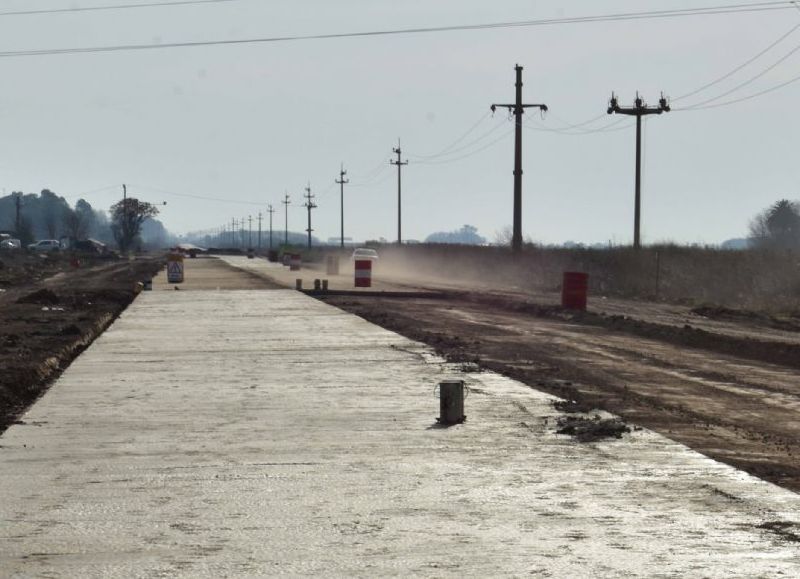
467 235
127 216
76 224
778 226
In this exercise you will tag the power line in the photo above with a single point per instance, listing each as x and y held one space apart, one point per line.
738 68
742 99
192 196
110 7
747 82
475 141
615 17
568 125
471 153
456 142
382 179
607 128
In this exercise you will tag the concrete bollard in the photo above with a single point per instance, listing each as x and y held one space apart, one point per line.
332 265
451 402
298 284
324 285
317 285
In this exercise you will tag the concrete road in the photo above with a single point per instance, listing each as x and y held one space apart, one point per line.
261 433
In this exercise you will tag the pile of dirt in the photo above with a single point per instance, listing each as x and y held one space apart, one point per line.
591 429
44 297
713 312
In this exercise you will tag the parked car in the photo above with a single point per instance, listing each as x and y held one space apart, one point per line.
10 243
364 253
45 245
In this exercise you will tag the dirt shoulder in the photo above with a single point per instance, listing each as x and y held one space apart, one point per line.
50 311
730 399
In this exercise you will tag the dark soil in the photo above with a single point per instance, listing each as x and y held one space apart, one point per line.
591 429
50 312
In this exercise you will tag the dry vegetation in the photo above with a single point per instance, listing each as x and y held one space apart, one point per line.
753 279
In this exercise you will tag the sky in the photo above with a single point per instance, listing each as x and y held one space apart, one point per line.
241 125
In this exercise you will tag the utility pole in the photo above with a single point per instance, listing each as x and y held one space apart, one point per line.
18 219
399 164
241 231
518 109
259 230
233 232
309 204
249 231
639 110
270 211
341 181
124 217
286 203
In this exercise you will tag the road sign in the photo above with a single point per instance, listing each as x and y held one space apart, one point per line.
175 268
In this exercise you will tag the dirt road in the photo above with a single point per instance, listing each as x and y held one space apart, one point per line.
725 387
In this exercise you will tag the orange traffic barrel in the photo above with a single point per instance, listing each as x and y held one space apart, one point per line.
363 273
574 290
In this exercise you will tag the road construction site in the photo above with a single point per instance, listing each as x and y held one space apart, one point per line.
236 427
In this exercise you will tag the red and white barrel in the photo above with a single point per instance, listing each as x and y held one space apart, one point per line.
295 261
363 273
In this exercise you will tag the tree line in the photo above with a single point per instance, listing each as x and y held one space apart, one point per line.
129 224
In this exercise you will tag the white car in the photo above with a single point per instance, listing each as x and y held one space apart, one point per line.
10 244
45 245
364 253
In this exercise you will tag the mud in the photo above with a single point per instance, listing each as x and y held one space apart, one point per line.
48 320
591 429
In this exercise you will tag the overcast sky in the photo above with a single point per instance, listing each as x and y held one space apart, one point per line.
246 123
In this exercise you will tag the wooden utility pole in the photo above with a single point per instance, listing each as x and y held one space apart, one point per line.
399 164
341 181
309 204
249 232
286 203
518 109
270 211
259 229
639 110
18 218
